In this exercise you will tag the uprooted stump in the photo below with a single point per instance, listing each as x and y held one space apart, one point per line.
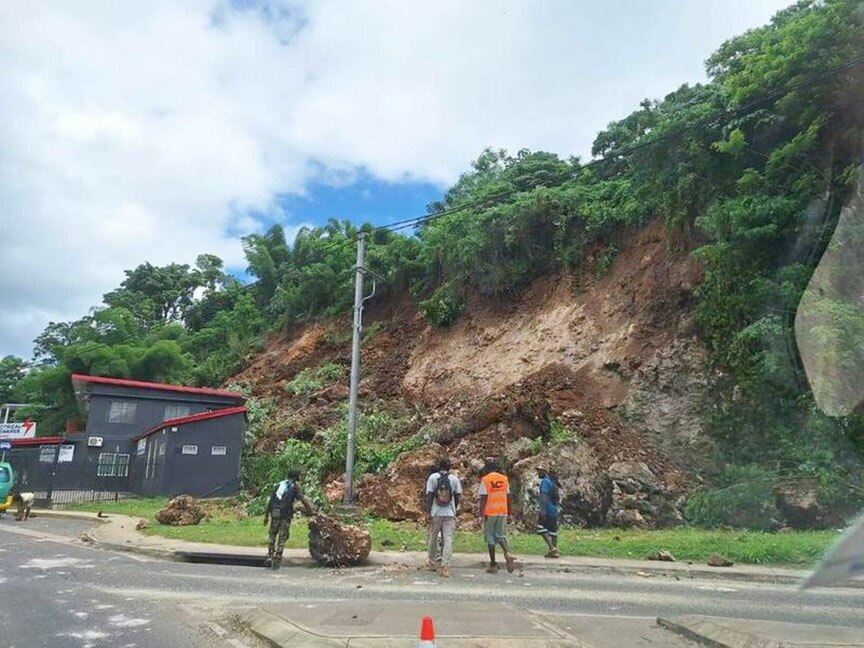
334 544
183 510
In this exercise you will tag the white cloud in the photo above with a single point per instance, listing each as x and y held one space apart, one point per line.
134 132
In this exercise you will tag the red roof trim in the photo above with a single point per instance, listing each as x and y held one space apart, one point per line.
203 416
30 441
121 382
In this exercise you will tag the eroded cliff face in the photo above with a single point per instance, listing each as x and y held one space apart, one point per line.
603 378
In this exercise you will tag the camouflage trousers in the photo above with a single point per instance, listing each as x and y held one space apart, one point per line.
280 528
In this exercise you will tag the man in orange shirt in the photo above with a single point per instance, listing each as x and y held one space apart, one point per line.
495 507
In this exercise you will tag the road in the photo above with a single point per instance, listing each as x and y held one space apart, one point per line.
57 591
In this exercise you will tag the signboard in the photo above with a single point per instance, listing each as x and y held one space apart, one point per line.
25 430
46 454
5 445
843 562
66 453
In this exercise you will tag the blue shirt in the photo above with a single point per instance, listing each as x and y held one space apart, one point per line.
546 488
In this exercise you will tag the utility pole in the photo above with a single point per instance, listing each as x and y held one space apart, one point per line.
355 369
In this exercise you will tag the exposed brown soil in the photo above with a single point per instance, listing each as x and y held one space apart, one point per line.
566 349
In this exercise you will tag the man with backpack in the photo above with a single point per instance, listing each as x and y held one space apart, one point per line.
547 524
443 493
280 510
495 507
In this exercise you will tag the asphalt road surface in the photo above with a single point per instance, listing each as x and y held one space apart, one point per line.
57 591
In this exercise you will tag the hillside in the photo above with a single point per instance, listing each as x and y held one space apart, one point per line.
614 362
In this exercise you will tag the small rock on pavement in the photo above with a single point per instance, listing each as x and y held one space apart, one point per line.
662 555
716 560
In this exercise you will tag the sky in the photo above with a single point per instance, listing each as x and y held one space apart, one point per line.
138 132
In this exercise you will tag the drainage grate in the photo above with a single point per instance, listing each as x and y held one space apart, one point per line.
212 558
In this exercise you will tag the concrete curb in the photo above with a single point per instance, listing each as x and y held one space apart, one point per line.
132 542
72 515
698 637
377 629
278 632
721 632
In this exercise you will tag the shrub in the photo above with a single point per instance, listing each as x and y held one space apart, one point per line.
558 432
304 382
263 470
443 306
606 260
747 501
310 380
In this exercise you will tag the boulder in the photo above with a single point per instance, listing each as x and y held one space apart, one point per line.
517 450
183 510
665 513
634 477
397 493
335 544
583 485
626 519
799 505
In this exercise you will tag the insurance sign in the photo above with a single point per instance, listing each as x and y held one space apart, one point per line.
25 430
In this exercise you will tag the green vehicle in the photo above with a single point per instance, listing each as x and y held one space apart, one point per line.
7 479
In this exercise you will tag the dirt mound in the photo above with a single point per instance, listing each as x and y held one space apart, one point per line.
183 510
335 544
397 494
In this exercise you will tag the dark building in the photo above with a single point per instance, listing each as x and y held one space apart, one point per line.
143 438
197 454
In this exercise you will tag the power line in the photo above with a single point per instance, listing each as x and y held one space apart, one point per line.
750 107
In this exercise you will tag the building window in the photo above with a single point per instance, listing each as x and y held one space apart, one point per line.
142 446
161 450
219 451
122 412
176 411
190 449
112 464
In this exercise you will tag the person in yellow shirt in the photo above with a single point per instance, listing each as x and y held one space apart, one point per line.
495 508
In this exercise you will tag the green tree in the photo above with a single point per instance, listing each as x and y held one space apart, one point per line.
12 372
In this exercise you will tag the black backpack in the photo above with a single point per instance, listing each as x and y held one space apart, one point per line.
443 489
283 506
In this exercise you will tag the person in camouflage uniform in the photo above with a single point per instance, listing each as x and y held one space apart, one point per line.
280 510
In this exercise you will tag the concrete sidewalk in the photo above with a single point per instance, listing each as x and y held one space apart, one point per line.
365 624
117 532
746 633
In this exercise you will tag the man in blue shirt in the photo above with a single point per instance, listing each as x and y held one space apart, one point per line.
547 525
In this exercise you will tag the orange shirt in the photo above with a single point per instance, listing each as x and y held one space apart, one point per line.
496 487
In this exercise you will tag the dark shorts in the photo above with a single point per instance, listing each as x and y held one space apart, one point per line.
547 525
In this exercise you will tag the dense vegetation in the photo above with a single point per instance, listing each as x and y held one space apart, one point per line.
750 169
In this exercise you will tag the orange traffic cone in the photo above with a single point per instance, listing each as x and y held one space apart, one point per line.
427 633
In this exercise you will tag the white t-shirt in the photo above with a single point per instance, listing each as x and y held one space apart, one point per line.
455 487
